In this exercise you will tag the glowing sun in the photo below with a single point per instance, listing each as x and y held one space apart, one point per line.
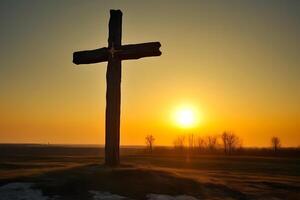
186 117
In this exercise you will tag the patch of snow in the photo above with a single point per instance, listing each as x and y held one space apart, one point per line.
97 195
20 191
169 197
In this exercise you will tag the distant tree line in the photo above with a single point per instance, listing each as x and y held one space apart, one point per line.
228 142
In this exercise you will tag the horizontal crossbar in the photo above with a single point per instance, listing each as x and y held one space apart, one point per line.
125 52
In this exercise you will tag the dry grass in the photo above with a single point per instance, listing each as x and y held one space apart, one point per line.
72 173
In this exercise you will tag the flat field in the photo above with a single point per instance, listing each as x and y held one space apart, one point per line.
73 172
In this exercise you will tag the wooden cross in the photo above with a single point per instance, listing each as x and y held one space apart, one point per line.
114 53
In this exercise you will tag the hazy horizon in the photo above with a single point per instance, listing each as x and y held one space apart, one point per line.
220 145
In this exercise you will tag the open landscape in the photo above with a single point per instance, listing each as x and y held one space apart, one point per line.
150 100
77 172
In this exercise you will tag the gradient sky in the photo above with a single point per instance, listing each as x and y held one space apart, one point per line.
237 62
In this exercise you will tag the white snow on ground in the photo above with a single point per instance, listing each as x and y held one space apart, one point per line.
20 191
24 191
106 196
98 195
168 197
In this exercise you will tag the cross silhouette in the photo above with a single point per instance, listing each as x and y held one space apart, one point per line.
114 53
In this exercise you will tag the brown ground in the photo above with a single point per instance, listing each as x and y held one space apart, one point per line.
72 172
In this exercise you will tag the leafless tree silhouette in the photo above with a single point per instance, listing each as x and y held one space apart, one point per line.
212 142
224 137
179 142
230 142
191 142
149 142
201 144
275 142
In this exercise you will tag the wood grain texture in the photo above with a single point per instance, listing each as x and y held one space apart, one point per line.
113 93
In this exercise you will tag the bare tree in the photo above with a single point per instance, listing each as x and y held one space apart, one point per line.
179 142
230 142
191 142
233 142
149 142
212 142
201 143
275 142
224 137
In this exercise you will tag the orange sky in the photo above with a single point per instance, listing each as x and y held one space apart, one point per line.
237 63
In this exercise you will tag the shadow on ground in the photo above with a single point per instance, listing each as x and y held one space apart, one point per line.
126 180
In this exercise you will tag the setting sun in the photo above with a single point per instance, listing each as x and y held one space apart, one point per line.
186 117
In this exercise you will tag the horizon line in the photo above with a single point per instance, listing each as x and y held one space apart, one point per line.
125 145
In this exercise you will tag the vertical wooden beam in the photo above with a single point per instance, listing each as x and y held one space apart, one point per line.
113 92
